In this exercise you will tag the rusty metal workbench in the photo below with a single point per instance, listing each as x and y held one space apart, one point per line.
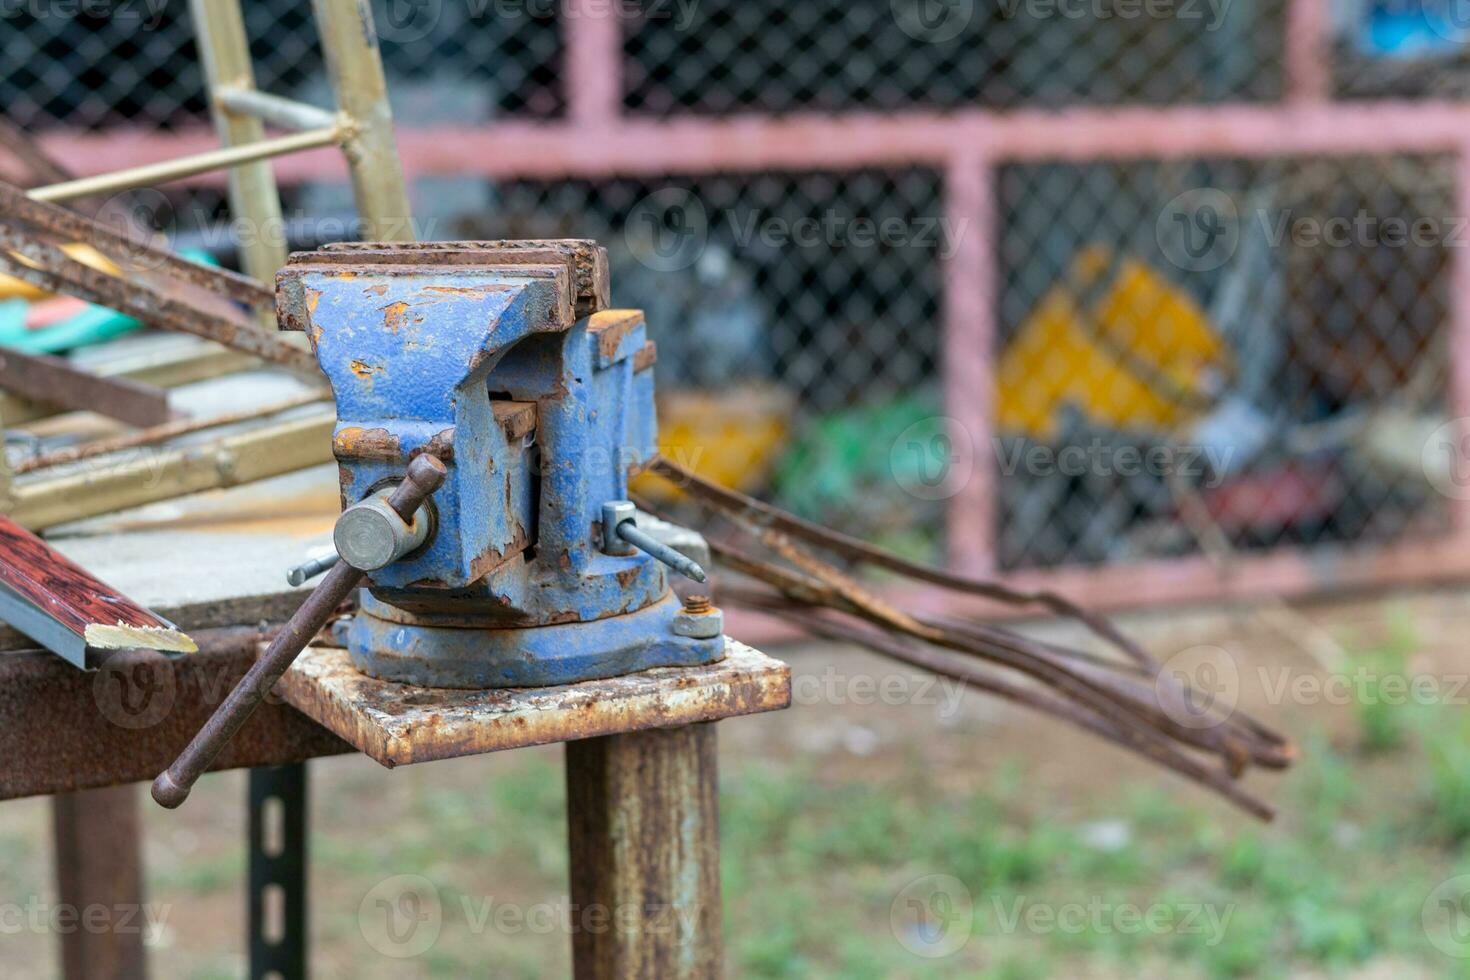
640 757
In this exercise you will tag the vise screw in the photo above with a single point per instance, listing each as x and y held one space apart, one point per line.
490 412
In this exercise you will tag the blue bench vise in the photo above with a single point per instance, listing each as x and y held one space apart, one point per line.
526 568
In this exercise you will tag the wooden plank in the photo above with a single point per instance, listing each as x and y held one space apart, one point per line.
644 836
99 866
52 380
60 605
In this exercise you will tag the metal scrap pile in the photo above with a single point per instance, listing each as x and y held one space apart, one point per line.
1129 701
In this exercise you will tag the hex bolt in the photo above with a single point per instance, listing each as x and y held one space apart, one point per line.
700 619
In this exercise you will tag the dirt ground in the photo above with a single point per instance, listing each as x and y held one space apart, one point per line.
862 729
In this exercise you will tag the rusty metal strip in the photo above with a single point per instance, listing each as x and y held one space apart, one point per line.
585 260
42 168
18 208
62 606
762 514
55 381
1141 726
63 729
40 262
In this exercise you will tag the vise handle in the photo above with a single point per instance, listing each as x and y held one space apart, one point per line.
425 475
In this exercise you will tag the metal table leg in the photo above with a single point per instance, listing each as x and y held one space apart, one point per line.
643 822
278 868
99 867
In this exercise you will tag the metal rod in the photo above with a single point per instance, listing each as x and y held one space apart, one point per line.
273 109
425 475
68 225
308 570
59 382
163 474
224 50
158 173
355 68
33 258
159 433
680 563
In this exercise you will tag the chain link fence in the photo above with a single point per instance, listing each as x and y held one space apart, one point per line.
1265 339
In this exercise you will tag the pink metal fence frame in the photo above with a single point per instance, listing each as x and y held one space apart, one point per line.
597 140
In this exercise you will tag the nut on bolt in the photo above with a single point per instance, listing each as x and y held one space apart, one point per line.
700 619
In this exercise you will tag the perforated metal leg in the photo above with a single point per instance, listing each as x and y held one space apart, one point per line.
278 867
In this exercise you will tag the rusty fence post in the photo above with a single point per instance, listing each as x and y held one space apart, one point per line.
99 865
643 829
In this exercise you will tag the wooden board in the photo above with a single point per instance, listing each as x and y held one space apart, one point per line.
66 609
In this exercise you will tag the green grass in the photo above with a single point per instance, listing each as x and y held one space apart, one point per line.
813 866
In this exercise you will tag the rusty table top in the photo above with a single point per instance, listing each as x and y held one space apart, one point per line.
398 724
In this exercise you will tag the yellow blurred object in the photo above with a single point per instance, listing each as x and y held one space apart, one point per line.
1147 353
12 288
730 437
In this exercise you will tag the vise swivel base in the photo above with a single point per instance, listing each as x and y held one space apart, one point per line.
527 567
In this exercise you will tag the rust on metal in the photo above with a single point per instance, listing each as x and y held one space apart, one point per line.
62 729
54 381
16 207
169 306
397 724
610 327
585 259
644 838
646 357
425 475
518 419
99 863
